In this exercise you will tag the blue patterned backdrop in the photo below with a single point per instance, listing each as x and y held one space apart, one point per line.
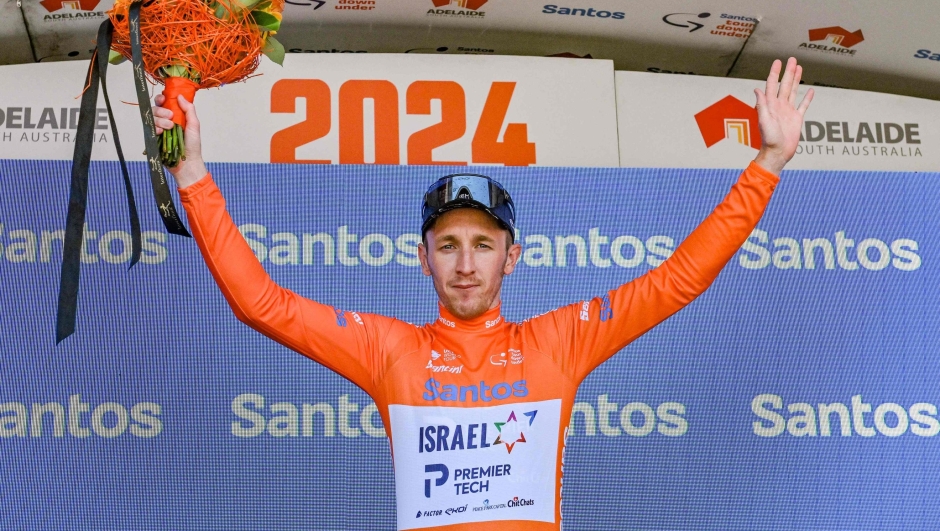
786 397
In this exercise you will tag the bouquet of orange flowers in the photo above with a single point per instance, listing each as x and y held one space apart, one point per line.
192 44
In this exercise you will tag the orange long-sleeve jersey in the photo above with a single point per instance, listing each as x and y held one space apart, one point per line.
477 410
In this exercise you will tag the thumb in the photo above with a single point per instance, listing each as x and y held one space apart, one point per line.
193 138
761 103
189 109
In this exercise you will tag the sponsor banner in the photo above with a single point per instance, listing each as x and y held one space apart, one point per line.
695 122
864 49
456 465
63 30
810 361
695 39
596 29
14 41
352 109
859 49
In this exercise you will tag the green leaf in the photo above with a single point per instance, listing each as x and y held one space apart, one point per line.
222 8
115 58
266 21
273 50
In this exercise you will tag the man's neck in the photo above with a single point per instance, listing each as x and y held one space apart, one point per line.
485 321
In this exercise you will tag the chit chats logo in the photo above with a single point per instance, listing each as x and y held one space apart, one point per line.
729 118
79 5
465 4
837 35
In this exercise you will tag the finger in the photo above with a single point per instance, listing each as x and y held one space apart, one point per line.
761 103
162 112
159 99
162 124
807 99
786 84
771 90
796 85
192 121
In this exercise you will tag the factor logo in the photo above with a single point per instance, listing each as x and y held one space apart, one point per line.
513 431
729 118
78 5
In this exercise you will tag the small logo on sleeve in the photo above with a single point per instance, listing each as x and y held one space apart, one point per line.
606 312
585 311
340 317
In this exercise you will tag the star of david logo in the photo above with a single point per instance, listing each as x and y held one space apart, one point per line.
513 431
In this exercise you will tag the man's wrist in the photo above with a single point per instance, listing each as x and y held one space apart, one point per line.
770 161
190 173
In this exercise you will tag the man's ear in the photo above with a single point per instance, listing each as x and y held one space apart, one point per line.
423 257
512 258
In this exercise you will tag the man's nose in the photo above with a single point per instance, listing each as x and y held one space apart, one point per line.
465 262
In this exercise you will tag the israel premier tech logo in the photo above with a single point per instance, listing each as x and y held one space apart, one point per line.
473 436
729 118
833 39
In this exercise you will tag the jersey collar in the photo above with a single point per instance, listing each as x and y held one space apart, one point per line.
489 320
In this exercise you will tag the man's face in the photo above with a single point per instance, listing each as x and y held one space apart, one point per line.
466 256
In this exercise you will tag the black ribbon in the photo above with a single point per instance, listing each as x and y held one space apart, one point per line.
81 158
161 192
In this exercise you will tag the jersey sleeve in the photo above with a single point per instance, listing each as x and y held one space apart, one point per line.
346 342
581 336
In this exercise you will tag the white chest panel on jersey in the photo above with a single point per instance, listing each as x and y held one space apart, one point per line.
475 464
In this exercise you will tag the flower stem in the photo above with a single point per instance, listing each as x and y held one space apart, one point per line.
172 150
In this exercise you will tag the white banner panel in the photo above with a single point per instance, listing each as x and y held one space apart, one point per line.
449 470
703 122
873 45
14 41
392 109
63 30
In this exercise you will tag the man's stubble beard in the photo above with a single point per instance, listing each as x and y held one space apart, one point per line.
472 308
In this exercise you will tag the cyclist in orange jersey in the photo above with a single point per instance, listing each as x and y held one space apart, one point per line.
477 408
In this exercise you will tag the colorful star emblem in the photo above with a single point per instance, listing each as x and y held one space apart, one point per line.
511 431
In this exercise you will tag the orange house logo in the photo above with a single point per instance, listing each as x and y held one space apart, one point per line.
79 5
570 55
465 4
837 35
729 118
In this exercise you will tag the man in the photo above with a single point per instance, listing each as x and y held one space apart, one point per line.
477 408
